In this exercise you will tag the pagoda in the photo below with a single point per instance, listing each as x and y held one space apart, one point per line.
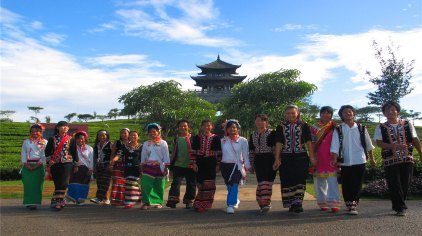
216 80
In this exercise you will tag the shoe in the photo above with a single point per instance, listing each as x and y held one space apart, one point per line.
298 209
335 209
291 208
32 208
158 206
70 199
325 208
265 209
95 200
128 206
401 212
80 201
237 204
188 205
57 207
145 207
200 210
230 210
353 212
171 205
106 202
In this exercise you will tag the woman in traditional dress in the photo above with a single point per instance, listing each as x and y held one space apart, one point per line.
60 163
325 173
261 147
117 194
234 161
33 161
293 138
102 153
205 165
79 180
154 162
132 155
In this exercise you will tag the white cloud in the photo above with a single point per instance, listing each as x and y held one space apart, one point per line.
189 25
53 38
291 27
36 25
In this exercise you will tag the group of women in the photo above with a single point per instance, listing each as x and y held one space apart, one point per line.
290 149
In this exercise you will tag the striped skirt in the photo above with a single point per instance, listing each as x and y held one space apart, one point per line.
206 182
132 190
103 175
117 194
265 175
33 183
293 174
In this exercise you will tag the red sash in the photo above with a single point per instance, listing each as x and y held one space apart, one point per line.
59 147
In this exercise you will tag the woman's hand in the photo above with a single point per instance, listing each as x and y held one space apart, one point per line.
277 164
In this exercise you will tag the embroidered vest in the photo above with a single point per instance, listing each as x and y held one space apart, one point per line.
399 135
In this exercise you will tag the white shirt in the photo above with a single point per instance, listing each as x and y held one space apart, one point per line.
235 152
378 135
155 153
86 156
33 151
352 151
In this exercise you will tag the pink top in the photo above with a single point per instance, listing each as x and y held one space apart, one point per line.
324 167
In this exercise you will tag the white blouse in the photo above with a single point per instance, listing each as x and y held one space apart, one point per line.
155 153
235 152
86 156
33 151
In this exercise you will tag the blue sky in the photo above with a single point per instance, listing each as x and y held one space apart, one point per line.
80 56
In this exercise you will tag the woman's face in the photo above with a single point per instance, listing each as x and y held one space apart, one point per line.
102 137
124 135
207 128
153 134
63 129
391 113
261 124
232 129
291 114
325 116
35 133
133 137
80 141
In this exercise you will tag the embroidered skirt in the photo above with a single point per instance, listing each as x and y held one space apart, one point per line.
79 185
152 185
117 194
206 182
293 174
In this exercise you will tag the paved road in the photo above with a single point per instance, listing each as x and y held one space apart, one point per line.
375 218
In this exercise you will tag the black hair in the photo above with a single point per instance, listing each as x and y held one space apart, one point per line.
98 132
183 120
327 109
206 121
60 124
389 104
263 117
344 107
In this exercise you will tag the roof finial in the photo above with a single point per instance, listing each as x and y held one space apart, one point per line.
218 57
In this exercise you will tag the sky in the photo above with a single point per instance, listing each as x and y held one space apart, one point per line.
81 56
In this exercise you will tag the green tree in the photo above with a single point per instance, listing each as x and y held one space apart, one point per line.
69 116
394 81
114 113
165 103
85 117
102 117
411 115
36 110
363 114
5 115
268 93
47 119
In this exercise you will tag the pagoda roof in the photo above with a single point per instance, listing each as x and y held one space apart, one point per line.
223 78
218 64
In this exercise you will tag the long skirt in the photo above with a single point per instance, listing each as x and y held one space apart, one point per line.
79 185
132 190
152 185
205 178
265 176
103 175
326 189
232 177
117 194
293 174
33 183
60 173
